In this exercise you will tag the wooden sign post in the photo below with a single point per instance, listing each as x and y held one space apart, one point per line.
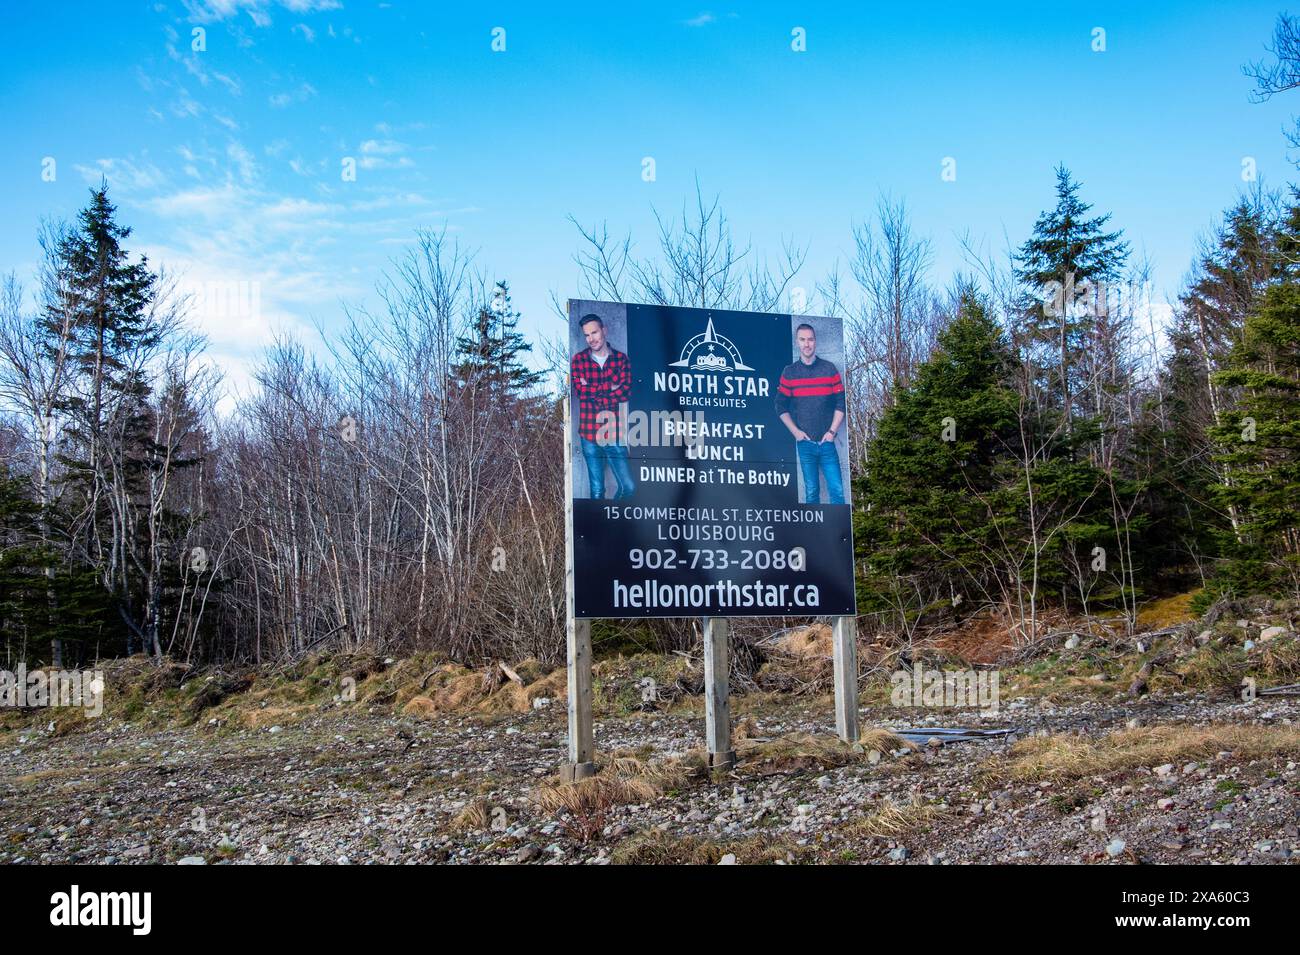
844 636
717 700
582 749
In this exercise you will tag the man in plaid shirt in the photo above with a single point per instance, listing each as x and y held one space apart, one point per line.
602 377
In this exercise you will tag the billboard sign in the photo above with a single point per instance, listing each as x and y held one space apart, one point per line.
709 463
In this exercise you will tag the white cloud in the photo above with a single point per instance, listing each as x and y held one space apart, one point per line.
382 147
124 174
243 160
259 261
700 20
211 11
304 92
381 162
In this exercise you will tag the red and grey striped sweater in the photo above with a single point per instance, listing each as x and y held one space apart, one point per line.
811 394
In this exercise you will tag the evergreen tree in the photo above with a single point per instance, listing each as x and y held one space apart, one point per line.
26 591
491 358
1071 258
1259 446
107 299
1233 271
1230 277
931 501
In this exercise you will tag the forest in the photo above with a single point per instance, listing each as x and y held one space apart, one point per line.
1032 437
1026 441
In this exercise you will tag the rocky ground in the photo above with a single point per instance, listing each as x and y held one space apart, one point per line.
1106 781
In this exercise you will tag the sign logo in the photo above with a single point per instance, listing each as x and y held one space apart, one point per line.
710 352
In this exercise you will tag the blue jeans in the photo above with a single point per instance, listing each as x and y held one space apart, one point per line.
815 457
615 455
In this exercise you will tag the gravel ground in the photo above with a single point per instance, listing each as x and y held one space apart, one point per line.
346 785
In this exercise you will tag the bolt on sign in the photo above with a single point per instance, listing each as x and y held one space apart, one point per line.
709 463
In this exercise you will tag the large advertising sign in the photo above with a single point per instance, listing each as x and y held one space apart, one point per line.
709 463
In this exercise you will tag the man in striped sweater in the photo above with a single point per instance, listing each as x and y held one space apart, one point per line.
810 401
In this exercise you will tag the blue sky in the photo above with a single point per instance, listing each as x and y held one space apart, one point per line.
227 161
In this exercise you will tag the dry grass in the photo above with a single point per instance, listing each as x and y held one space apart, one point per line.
622 779
799 662
891 820
804 751
476 815
657 847
804 642
450 688
594 794
1159 614
883 741
1209 667
1075 757
1276 661
258 717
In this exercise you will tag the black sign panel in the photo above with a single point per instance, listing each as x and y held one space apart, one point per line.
709 463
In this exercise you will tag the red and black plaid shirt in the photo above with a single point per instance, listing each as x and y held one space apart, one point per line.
600 388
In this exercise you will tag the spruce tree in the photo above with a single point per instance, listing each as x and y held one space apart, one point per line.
1259 447
931 501
491 356
1069 259
107 299
27 591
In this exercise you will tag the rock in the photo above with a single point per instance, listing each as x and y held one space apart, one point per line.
1134 723
1203 637
934 742
1164 804
541 702
898 855
728 859
193 860
873 757
1116 848
276 729
1165 770
1270 633
527 853
1073 642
